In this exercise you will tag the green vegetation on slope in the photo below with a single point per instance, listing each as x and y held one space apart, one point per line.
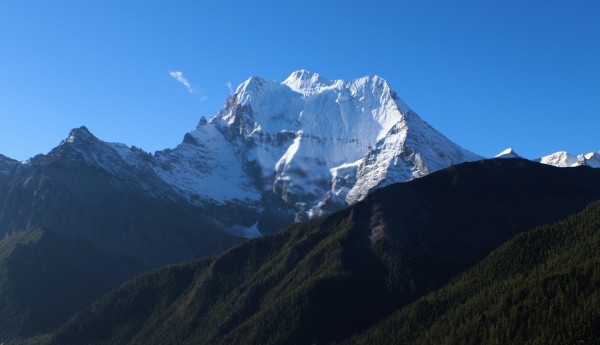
330 278
542 287
247 292
46 277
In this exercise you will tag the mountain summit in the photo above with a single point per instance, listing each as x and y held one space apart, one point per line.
309 144
508 153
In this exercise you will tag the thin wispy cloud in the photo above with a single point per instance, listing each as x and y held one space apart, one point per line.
178 75
228 84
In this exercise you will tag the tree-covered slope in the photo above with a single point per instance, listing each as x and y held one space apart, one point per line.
46 277
330 278
542 287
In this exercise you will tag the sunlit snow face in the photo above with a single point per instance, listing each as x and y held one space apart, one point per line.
307 141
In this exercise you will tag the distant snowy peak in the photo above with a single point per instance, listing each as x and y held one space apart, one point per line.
566 159
508 153
591 159
560 159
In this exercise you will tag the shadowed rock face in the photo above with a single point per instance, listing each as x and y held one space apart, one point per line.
7 167
326 279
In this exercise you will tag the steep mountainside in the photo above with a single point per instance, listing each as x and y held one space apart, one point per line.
7 166
46 277
84 189
539 288
329 278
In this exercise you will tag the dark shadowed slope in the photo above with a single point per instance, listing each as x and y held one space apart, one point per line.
332 277
46 277
542 287
102 214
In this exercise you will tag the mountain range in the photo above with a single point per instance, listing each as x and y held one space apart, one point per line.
247 171
560 159
94 214
252 167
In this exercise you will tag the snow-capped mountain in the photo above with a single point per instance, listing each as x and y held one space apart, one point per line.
560 159
309 143
566 159
279 152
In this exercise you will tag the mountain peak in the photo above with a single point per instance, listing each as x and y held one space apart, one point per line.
560 159
508 153
4 158
591 159
304 81
311 140
303 75
79 134
591 155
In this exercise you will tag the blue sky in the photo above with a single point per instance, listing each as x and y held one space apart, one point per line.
487 74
